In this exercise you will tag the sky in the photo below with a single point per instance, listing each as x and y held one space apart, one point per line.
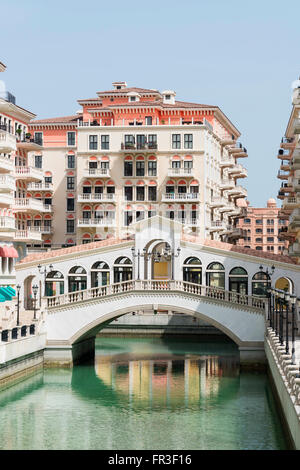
240 56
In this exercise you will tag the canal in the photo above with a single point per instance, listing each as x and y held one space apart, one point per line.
144 393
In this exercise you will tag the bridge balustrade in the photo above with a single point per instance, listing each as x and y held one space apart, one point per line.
157 286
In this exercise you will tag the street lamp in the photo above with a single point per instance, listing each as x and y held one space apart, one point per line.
18 304
35 289
287 299
293 302
281 302
45 271
137 255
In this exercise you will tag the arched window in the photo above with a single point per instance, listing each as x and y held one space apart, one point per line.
238 280
215 275
192 270
260 283
54 283
99 274
284 283
122 269
77 279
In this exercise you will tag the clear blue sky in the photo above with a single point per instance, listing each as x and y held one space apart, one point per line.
241 56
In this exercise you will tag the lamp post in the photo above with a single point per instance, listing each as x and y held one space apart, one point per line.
293 302
45 271
18 287
156 256
281 302
35 289
287 299
137 255
173 256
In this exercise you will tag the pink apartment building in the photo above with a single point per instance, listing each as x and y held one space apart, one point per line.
262 227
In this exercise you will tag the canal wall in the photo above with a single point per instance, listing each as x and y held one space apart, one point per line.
159 324
284 376
20 358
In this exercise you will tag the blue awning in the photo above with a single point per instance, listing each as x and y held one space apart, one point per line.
11 290
4 292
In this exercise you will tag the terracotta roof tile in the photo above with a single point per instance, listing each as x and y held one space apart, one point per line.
239 249
58 120
72 249
128 90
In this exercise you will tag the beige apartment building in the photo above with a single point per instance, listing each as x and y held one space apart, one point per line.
289 173
132 153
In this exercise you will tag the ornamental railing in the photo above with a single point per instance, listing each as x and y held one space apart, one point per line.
157 286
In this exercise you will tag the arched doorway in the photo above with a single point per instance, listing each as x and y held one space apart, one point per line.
215 275
99 274
238 280
77 279
161 261
283 283
192 270
54 284
122 269
260 283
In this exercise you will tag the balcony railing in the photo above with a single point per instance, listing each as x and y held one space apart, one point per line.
96 197
7 224
28 235
90 172
7 183
6 163
180 172
28 172
7 142
134 146
180 196
40 186
105 222
31 204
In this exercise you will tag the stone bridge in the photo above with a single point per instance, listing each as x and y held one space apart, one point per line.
74 319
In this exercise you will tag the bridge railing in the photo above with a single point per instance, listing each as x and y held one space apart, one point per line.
156 285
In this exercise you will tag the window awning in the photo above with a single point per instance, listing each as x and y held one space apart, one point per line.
4 292
8 252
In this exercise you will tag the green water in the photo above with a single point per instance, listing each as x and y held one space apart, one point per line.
145 393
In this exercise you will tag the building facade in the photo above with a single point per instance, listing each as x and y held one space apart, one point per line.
262 227
289 173
131 154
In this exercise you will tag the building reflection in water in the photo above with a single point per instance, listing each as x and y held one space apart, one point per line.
169 381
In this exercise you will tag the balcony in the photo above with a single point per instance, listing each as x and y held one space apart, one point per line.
296 184
294 250
105 222
179 172
296 126
227 162
147 147
97 197
291 202
284 154
28 144
187 197
237 191
187 221
238 171
40 186
283 175
6 164
217 201
7 142
227 183
28 173
228 206
234 232
7 224
7 199
7 183
287 142
96 173
31 205
217 226
28 235
285 165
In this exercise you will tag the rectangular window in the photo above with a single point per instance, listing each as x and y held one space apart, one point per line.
71 139
152 141
188 164
48 179
140 193
140 168
152 168
93 142
176 141
128 193
105 142
128 218
128 168
70 226
188 141
258 222
140 141
148 120
270 239
38 161
71 161
152 193
70 204
70 182
38 138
